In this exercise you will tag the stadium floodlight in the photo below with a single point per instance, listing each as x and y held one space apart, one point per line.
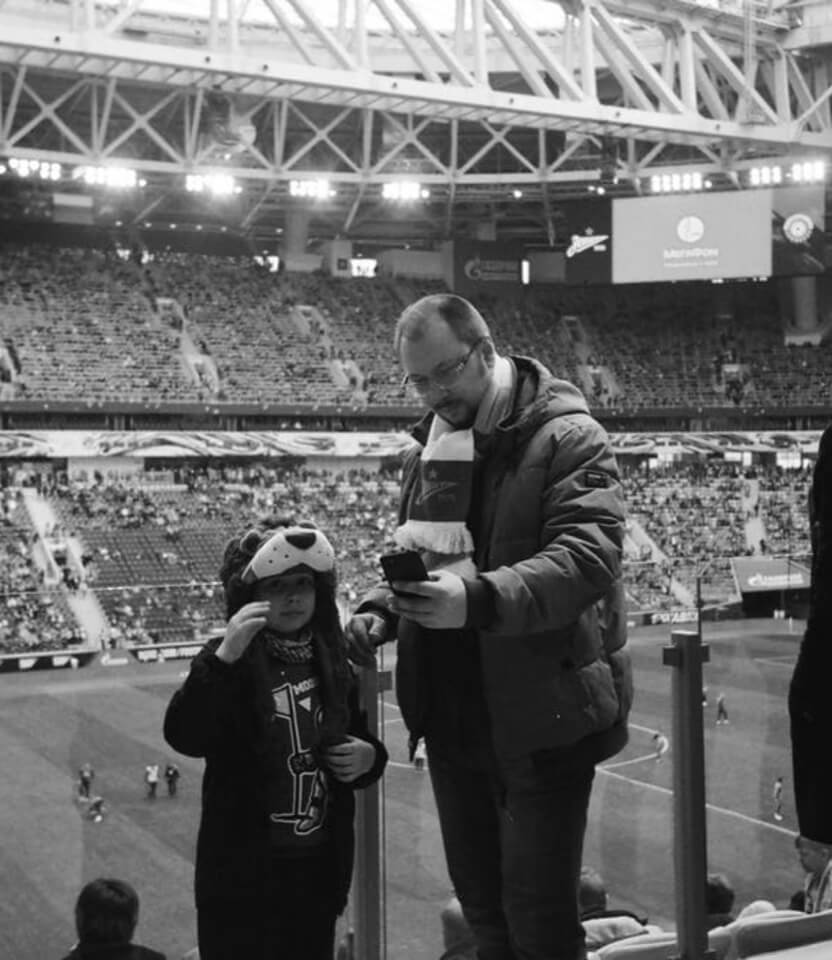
765 176
311 189
402 191
117 178
219 184
676 182
809 171
35 169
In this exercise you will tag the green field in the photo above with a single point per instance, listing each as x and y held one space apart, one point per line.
50 723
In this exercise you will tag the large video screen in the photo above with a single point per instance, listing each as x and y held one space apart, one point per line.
692 237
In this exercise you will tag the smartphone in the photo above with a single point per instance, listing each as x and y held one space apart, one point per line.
404 565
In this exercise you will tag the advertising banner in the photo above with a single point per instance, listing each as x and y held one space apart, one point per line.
485 267
546 266
692 237
765 574
589 242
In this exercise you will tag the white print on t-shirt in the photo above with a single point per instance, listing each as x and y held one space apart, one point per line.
308 783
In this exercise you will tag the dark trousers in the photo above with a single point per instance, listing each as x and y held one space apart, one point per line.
513 843
293 919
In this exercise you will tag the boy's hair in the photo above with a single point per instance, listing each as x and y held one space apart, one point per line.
719 894
106 912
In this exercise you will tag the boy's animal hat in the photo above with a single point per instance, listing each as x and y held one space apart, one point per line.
285 549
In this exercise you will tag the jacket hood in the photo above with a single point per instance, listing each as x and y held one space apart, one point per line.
540 397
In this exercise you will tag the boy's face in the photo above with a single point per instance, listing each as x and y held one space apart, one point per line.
291 599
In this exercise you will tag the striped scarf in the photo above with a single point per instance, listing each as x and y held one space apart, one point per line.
441 498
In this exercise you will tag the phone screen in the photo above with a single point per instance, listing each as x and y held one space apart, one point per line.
407 565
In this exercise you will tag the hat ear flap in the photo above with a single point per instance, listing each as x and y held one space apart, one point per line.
250 542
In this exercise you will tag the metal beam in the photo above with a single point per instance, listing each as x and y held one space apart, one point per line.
162 63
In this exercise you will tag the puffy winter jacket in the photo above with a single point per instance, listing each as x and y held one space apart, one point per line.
548 550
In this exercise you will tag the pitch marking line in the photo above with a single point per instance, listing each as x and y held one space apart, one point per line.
787 660
626 763
710 806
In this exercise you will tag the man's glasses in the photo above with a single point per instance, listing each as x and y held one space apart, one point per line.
444 376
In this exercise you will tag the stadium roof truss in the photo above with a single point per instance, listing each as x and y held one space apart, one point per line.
490 113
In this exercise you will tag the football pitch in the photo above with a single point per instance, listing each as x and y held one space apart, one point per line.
51 723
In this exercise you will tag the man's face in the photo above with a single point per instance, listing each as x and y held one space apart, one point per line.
448 376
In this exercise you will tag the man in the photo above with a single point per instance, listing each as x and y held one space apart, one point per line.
810 707
151 778
510 660
86 775
721 709
172 778
777 794
816 860
660 745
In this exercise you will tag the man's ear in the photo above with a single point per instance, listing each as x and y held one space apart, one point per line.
489 353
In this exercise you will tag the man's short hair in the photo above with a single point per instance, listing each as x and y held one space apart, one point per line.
466 322
106 911
592 895
719 894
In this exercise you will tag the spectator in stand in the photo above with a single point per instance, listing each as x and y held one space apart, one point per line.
602 924
504 641
816 860
106 914
719 901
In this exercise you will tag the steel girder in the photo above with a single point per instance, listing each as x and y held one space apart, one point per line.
619 91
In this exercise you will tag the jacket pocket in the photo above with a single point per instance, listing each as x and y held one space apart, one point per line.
601 702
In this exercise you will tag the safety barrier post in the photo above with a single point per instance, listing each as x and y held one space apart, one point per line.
686 655
366 884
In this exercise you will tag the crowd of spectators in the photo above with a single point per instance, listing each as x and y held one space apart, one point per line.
80 327
91 324
693 513
151 546
31 616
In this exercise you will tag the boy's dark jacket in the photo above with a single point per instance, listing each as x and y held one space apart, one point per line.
548 604
213 716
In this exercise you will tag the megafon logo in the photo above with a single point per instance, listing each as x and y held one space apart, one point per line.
589 241
690 229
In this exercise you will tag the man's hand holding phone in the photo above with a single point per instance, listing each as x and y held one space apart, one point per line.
437 600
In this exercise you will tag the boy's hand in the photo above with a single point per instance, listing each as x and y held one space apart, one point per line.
351 759
241 629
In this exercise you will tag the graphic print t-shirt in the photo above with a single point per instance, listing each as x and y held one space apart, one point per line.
297 786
